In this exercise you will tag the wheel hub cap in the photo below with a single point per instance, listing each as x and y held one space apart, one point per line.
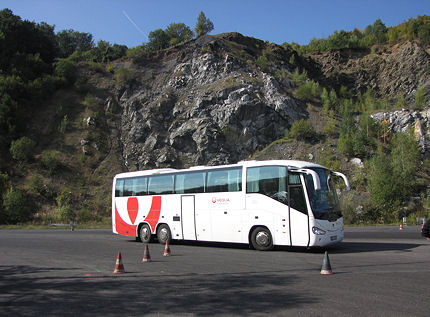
163 234
262 239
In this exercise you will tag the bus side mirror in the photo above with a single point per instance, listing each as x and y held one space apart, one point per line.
315 177
345 179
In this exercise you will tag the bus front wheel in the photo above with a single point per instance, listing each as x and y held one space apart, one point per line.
261 239
145 233
163 234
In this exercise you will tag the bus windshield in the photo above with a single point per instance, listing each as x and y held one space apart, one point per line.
324 202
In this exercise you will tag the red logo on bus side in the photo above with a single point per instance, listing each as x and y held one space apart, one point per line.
132 208
220 200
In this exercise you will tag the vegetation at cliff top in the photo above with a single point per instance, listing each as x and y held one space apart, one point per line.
377 33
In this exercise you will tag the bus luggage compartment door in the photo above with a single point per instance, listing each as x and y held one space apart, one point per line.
188 217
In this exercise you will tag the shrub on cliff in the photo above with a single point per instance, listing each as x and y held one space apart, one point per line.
302 130
22 149
17 207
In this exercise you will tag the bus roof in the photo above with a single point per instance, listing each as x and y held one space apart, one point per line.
290 163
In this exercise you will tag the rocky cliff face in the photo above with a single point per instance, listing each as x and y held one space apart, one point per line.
387 70
403 120
209 102
204 104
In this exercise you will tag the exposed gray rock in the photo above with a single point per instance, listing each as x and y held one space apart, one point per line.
387 71
84 142
357 162
403 120
90 121
210 108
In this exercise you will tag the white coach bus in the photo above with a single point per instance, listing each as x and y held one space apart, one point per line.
263 203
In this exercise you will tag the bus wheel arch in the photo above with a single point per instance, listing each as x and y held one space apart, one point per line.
260 238
164 234
145 233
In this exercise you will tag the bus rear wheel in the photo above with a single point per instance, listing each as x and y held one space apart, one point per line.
261 239
163 234
145 233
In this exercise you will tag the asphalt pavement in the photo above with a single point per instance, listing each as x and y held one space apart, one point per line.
377 271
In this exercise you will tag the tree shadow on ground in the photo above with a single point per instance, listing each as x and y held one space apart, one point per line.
26 293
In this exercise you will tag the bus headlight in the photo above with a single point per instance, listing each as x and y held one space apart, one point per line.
318 231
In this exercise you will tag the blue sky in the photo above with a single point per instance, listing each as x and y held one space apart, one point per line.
128 22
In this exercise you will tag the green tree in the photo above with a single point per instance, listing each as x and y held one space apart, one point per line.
50 160
158 40
178 33
376 33
329 101
204 25
22 149
33 39
392 177
8 113
344 145
405 157
325 100
300 78
302 130
66 68
381 182
70 41
17 206
308 91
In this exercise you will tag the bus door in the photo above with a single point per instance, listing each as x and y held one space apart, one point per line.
188 217
298 212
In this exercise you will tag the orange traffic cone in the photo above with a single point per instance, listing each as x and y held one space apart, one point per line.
401 226
119 267
326 267
166 249
146 255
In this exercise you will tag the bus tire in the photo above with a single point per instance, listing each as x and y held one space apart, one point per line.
261 239
145 233
163 234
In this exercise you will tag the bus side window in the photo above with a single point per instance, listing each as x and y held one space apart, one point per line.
235 180
225 180
129 187
269 181
217 181
160 185
179 184
190 183
141 186
119 188
194 183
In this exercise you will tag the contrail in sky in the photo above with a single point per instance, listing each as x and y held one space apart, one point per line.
132 22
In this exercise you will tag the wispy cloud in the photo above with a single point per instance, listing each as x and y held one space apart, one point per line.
132 22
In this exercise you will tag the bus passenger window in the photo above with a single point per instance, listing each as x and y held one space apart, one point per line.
129 189
224 180
141 186
119 188
217 181
269 181
159 185
190 183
